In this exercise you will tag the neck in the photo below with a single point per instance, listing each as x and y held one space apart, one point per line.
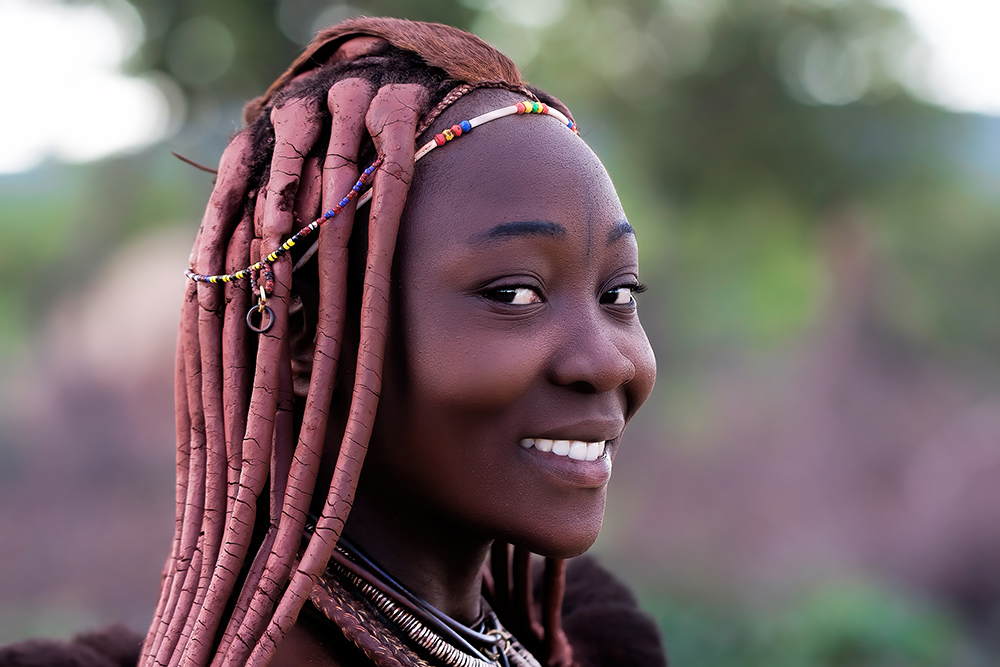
439 563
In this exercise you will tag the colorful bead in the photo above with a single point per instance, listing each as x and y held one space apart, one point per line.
287 245
466 126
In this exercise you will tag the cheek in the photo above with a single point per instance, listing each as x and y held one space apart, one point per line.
476 372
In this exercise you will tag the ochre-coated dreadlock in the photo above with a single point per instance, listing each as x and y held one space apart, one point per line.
247 458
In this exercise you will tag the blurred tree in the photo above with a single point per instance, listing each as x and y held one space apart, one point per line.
752 120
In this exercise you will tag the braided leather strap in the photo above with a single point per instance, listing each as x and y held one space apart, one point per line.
361 623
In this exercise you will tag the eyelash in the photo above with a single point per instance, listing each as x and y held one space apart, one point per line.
633 289
529 295
501 294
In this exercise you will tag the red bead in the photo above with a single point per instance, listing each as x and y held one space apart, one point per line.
520 107
545 108
457 130
440 140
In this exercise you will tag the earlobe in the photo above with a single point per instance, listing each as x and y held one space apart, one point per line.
302 343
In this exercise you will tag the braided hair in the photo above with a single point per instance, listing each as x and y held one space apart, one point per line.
251 423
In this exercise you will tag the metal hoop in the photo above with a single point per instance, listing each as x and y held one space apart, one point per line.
265 312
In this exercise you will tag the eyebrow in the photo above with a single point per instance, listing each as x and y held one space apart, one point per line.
622 229
522 228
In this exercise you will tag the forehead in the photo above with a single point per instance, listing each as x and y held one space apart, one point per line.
516 169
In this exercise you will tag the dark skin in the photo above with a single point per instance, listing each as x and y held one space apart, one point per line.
514 321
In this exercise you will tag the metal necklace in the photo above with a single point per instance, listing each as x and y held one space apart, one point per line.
360 589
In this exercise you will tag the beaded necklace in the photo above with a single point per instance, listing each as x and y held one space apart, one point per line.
383 610
263 267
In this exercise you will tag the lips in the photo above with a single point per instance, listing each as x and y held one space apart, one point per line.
572 464
577 450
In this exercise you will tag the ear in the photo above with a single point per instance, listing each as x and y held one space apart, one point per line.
302 335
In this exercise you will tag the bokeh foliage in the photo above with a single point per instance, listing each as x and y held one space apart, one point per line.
706 114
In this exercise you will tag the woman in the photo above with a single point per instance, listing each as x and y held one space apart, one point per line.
471 338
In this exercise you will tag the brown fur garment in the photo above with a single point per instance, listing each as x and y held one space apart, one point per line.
601 618
115 646
604 623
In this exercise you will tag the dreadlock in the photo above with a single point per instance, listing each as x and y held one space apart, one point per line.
250 435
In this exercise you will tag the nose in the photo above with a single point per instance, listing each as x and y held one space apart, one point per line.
592 356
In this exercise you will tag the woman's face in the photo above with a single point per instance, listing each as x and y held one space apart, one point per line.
516 337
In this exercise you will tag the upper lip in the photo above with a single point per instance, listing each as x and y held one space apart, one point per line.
588 431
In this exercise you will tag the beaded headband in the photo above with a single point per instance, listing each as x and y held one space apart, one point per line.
264 266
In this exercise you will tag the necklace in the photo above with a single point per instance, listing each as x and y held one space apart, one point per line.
395 627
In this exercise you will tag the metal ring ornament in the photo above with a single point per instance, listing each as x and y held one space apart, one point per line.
266 312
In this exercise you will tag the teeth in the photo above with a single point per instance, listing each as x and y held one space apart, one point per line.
594 450
577 450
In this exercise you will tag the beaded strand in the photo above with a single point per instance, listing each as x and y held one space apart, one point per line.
287 245
439 139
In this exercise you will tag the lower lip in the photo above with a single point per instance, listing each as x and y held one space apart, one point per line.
580 474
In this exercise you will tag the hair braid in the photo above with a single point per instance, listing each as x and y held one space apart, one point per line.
231 587
188 558
222 216
164 606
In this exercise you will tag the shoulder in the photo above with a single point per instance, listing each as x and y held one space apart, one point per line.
603 621
116 646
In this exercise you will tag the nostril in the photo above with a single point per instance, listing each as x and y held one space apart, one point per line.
582 387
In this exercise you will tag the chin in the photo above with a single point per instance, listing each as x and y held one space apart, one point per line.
564 538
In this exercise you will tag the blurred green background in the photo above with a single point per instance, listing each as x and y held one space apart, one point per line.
816 479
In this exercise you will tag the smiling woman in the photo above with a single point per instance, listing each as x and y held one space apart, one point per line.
515 287
472 340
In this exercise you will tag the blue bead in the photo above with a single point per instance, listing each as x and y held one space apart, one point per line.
466 126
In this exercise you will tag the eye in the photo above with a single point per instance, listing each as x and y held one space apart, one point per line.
517 296
623 295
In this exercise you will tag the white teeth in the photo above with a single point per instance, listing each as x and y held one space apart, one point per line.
594 450
577 450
